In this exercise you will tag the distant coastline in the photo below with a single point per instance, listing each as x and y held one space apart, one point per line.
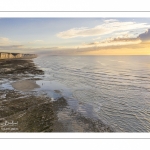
5 55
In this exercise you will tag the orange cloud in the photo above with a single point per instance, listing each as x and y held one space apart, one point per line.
138 49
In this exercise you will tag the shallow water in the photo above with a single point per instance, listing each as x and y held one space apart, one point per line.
115 88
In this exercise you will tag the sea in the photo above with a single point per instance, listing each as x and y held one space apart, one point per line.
113 89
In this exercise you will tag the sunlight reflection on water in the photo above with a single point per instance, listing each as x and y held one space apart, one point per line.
116 87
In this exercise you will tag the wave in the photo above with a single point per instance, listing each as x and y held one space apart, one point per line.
118 90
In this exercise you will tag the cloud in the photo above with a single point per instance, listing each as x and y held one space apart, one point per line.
113 42
106 27
25 49
110 20
145 36
11 47
4 40
7 41
36 41
97 38
121 39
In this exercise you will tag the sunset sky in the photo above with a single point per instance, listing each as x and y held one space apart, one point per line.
76 36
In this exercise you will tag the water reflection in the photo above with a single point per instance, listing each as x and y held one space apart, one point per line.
116 87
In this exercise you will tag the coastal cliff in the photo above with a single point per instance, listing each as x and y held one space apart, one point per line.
4 55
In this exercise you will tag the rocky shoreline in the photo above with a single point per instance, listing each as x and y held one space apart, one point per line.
28 111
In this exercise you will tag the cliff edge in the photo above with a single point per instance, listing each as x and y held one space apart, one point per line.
4 55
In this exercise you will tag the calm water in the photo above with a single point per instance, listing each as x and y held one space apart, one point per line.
115 88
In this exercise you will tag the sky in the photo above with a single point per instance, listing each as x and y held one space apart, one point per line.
76 36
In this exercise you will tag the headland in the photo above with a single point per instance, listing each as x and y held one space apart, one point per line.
5 55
